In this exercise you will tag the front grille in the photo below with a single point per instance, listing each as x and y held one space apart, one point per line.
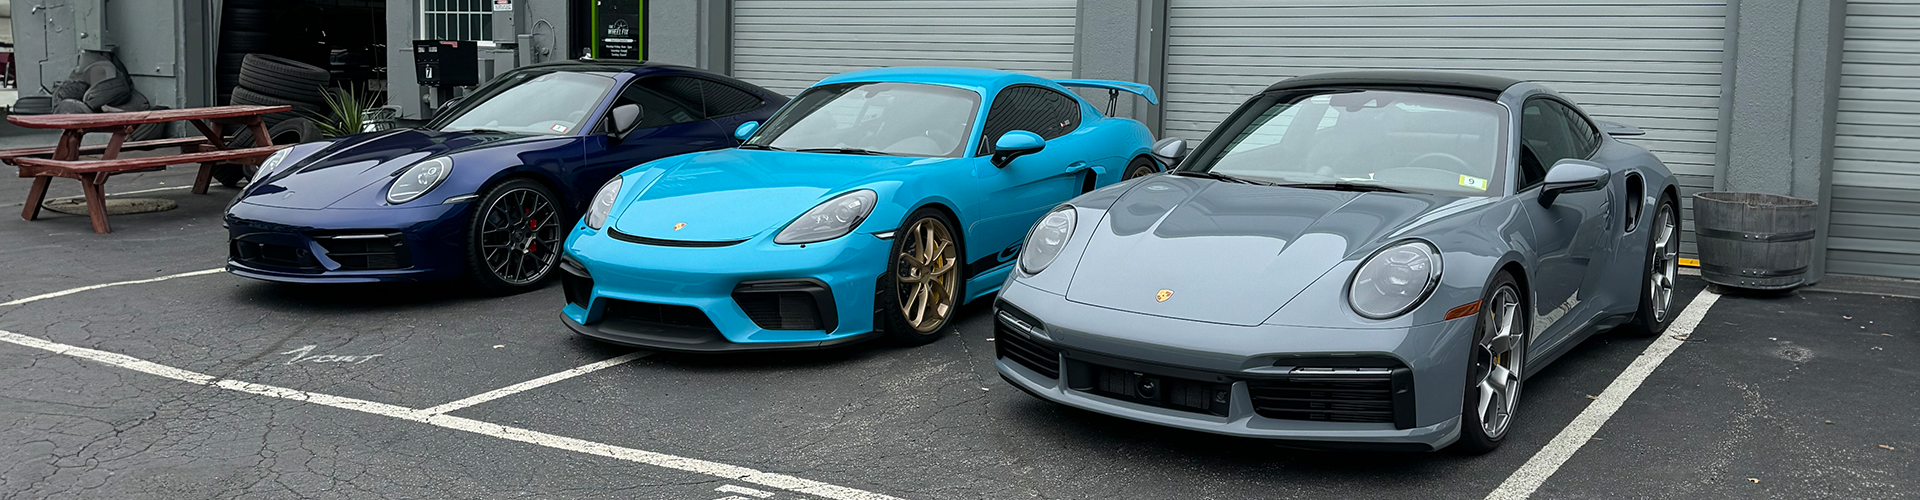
781 310
367 252
1167 392
670 243
575 282
1012 344
269 255
1374 395
657 314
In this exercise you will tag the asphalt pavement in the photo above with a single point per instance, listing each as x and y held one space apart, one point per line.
343 392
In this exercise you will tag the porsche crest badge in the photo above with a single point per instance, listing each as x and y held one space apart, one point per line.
679 225
1163 295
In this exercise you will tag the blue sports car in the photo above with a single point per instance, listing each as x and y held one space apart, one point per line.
487 189
876 202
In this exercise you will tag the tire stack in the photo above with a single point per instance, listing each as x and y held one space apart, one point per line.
97 85
243 31
267 80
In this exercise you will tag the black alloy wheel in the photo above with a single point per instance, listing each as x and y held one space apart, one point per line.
515 238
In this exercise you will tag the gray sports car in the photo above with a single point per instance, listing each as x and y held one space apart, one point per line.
1371 260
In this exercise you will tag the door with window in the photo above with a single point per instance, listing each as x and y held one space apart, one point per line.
1019 193
672 121
1572 232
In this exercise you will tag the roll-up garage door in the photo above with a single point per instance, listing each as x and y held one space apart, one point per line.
1875 224
787 45
1654 64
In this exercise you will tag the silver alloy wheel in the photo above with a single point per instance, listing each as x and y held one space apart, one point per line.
1501 351
1665 262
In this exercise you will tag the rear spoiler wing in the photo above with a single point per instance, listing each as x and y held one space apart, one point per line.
1619 130
1114 88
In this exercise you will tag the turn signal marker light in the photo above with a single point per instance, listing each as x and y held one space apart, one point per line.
1463 311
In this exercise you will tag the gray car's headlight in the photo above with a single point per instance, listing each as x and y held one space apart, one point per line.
1395 280
603 203
272 162
1046 240
830 220
418 179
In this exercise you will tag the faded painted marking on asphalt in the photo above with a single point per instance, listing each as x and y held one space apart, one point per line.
728 488
72 291
694 465
1535 472
304 355
536 383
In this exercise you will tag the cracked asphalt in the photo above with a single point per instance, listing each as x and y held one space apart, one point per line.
1808 395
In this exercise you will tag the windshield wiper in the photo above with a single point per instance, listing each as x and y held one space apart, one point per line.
482 131
1221 177
1345 186
845 151
761 147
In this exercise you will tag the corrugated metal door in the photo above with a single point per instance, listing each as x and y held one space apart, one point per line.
1875 225
787 45
1654 64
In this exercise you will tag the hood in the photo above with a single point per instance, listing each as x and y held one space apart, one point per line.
734 194
352 164
1230 253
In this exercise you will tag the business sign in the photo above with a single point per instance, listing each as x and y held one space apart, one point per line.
620 29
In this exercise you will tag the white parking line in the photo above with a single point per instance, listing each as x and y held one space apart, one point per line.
72 291
1535 472
531 384
716 469
728 488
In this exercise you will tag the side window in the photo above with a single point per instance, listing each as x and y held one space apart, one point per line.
660 105
1586 138
726 100
1034 109
1545 139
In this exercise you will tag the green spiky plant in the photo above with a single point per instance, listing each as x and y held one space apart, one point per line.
344 111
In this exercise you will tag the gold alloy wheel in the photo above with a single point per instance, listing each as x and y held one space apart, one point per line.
926 275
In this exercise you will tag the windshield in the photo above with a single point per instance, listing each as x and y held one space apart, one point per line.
904 119
1402 140
554 103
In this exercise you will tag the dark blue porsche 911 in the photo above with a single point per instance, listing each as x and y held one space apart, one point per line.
488 189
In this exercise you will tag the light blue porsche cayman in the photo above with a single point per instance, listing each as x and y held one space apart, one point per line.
874 204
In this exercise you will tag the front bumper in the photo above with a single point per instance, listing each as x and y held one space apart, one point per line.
751 296
346 245
1395 389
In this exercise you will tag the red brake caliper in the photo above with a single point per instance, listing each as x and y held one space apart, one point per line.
532 223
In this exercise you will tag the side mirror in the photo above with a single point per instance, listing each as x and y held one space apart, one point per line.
746 130
625 118
1016 144
1171 149
1572 176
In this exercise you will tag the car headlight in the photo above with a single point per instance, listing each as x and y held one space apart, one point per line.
418 179
1046 239
830 220
603 203
1395 280
272 162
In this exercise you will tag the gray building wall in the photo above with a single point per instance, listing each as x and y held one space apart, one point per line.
147 36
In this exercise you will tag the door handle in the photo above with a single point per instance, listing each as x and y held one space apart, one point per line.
1076 167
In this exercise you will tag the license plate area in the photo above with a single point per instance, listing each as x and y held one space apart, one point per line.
1149 387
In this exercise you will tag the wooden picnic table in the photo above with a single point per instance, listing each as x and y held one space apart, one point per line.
63 159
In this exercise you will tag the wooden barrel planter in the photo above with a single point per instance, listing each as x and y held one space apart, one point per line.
1752 240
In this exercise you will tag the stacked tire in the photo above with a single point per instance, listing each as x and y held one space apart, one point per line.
267 80
97 85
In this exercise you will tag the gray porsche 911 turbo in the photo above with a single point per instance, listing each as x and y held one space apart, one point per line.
1371 260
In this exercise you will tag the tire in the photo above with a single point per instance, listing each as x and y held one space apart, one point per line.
70 107
499 222
97 72
242 96
276 88
34 105
1497 356
292 131
1656 282
1140 167
938 280
70 89
248 19
107 93
136 101
151 131
294 74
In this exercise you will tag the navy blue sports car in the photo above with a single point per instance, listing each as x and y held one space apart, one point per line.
489 188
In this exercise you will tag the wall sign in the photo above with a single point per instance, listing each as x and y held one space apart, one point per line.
620 29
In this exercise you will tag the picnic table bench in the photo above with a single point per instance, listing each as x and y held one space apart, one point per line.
63 159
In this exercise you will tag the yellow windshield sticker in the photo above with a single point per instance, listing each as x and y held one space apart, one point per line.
1473 182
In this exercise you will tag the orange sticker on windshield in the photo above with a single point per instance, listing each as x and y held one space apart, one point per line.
1473 182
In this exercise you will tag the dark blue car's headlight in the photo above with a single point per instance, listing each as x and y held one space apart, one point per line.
418 179
830 220
272 162
1395 280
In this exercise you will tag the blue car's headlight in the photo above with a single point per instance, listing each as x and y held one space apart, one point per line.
272 162
603 204
1046 240
1394 280
418 179
830 220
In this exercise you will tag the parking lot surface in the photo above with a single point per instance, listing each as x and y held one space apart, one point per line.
214 386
